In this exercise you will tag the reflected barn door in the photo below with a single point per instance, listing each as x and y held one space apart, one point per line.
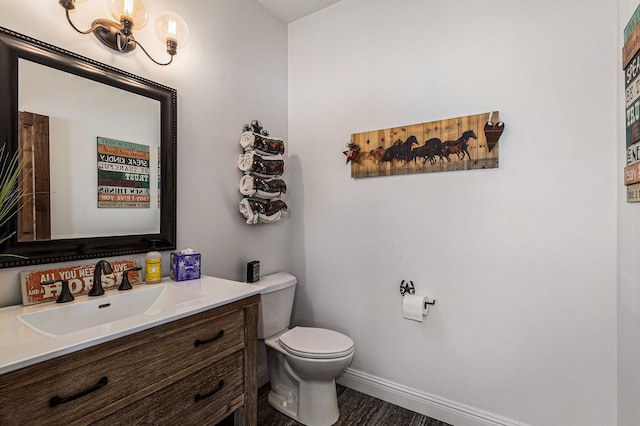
34 218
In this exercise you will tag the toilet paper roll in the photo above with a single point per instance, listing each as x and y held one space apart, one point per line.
414 307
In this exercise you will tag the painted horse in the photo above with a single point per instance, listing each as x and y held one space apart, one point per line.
400 151
459 146
431 148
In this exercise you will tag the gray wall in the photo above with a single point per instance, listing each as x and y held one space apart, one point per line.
522 259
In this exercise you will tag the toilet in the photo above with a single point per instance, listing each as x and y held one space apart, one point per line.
303 362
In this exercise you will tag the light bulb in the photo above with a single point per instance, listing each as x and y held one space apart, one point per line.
171 27
131 10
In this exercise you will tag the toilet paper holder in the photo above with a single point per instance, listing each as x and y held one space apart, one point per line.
408 287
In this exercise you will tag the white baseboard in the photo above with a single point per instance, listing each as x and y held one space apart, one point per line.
412 399
421 402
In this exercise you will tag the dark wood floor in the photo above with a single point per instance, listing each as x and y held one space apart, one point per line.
356 409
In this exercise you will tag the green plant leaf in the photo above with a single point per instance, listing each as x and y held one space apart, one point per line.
11 192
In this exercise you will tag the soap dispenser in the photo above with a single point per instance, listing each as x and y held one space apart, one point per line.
153 265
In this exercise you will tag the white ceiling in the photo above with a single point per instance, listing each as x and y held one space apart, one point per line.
292 10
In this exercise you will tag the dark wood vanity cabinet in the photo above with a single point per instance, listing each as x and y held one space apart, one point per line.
195 370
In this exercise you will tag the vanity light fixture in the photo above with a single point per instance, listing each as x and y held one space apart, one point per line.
132 15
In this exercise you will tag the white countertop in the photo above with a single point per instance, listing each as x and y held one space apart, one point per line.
21 345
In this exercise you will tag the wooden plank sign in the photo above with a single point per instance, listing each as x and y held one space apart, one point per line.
632 24
464 143
633 193
632 104
80 280
631 38
630 48
632 174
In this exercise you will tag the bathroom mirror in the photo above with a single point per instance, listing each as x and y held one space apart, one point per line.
92 113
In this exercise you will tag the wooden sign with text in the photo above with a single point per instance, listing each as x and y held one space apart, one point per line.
631 66
80 280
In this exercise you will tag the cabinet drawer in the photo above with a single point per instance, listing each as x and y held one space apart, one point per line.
204 397
134 366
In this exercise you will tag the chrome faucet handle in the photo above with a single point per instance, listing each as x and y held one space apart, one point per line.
65 294
101 267
125 284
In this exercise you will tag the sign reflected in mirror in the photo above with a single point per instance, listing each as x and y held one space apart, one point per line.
59 104
123 175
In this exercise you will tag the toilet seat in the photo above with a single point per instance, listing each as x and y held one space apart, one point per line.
317 343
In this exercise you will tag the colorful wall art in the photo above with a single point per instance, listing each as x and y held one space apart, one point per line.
464 143
631 67
123 174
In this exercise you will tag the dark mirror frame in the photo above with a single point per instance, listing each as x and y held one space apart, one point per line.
14 46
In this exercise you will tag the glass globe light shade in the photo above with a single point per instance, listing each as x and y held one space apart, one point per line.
170 26
132 10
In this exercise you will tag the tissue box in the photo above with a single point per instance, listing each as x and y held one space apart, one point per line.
185 266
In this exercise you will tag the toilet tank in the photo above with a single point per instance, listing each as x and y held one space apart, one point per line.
276 303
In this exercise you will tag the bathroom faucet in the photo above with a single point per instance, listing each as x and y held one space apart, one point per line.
125 284
101 267
65 293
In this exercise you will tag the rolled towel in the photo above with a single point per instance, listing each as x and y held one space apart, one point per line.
262 144
248 212
255 210
272 207
269 167
273 217
264 188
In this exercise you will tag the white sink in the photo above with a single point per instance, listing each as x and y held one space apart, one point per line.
80 315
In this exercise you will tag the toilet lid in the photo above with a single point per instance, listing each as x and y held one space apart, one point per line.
311 342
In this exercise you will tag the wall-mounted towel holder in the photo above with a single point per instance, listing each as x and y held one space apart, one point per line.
261 184
408 287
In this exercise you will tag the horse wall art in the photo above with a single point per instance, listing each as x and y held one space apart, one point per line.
438 146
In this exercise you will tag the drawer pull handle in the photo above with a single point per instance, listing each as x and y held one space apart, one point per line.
199 342
57 400
207 395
